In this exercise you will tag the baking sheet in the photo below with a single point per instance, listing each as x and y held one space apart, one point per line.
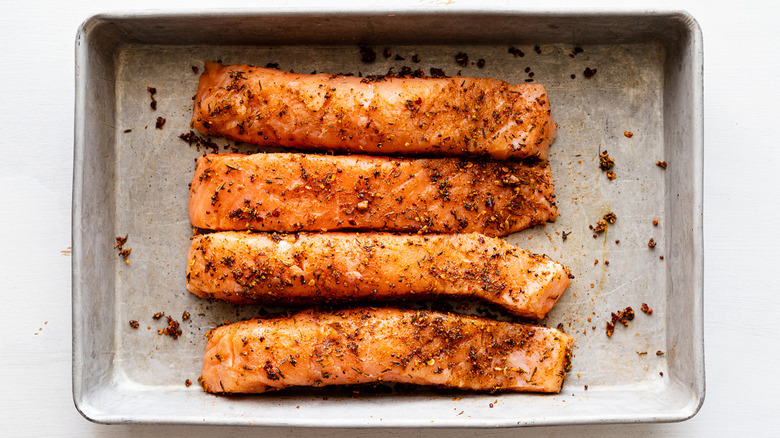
146 171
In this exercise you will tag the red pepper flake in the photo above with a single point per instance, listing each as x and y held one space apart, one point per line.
659 353
462 59
195 69
416 58
589 73
481 63
661 373
538 49
606 262
661 257
645 308
158 315
595 262
187 383
133 323
661 164
160 122
628 134
655 222
651 243
185 316
367 54
152 91
516 52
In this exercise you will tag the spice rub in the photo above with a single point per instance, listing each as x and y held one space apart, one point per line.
316 268
301 192
367 345
382 115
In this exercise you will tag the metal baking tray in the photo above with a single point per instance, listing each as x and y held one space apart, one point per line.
131 178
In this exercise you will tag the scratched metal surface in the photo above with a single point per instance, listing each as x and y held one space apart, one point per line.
147 171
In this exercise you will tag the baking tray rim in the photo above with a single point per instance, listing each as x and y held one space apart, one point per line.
98 415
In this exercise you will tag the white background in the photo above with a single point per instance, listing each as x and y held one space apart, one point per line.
741 219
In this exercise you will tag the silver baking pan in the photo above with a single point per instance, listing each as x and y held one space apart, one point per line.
132 178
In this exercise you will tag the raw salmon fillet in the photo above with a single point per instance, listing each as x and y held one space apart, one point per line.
374 345
307 192
242 268
385 115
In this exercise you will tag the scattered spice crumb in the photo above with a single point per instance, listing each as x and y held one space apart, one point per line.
538 49
655 222
595 262
560 327
160 122
185 316
399 58
127 130
661 257
491 405
606 262
611 175
516 52
272 65
527 69
600 226
628 134
586 387
610 329
661 373
661 164
605 162
120 241
651 243
481 63
645 308
195 69
123 252
386 52
367 54
172 330
529 80
462 59
610 217
416 58
152 91
133 323
659 353
617 242
187 383
573 76
565 235
641 352
589 73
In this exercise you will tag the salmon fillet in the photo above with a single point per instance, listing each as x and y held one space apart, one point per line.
385 115
374 345
303 192
314 268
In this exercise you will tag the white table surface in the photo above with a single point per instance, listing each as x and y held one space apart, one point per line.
741 218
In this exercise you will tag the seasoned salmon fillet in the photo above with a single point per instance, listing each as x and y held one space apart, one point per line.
306 192
385 115
373 345
241 268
